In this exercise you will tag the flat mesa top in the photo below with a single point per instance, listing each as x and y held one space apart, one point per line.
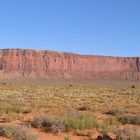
10 50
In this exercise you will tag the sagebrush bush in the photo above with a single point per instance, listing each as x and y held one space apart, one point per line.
115 112
17 133
49 123
129 119
127 134
87 106
133 86
5 131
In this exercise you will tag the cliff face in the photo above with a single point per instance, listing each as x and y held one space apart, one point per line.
18 63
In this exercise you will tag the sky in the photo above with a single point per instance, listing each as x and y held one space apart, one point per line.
98 27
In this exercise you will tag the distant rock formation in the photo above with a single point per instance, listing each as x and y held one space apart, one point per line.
22 63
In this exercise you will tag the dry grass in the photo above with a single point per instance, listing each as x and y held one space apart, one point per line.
61 97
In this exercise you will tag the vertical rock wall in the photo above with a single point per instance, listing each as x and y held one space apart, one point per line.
17 63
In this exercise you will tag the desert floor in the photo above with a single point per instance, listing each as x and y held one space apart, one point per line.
69 110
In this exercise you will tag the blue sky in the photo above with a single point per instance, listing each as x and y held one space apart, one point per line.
101 27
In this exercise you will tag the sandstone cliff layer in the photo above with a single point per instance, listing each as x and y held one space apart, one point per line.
19 63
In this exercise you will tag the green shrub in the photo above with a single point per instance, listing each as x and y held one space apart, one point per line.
66 138
80 121
129 119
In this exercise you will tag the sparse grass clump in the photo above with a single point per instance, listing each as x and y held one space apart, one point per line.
129 119
7 108
66 138
80 121
17 133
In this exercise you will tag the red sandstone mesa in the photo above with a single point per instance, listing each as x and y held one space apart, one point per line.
18 63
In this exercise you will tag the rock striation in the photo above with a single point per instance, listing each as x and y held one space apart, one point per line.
26 63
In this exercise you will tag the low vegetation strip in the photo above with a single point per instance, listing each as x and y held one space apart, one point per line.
13 108
70 121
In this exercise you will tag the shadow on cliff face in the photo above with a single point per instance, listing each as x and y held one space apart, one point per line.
2 64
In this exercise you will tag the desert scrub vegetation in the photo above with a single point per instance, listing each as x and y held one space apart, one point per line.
133 86
127 133
106 125
86 106
56 95
66 138
13 108
47 123
70 121
115 112
129 119
80 121
17 133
